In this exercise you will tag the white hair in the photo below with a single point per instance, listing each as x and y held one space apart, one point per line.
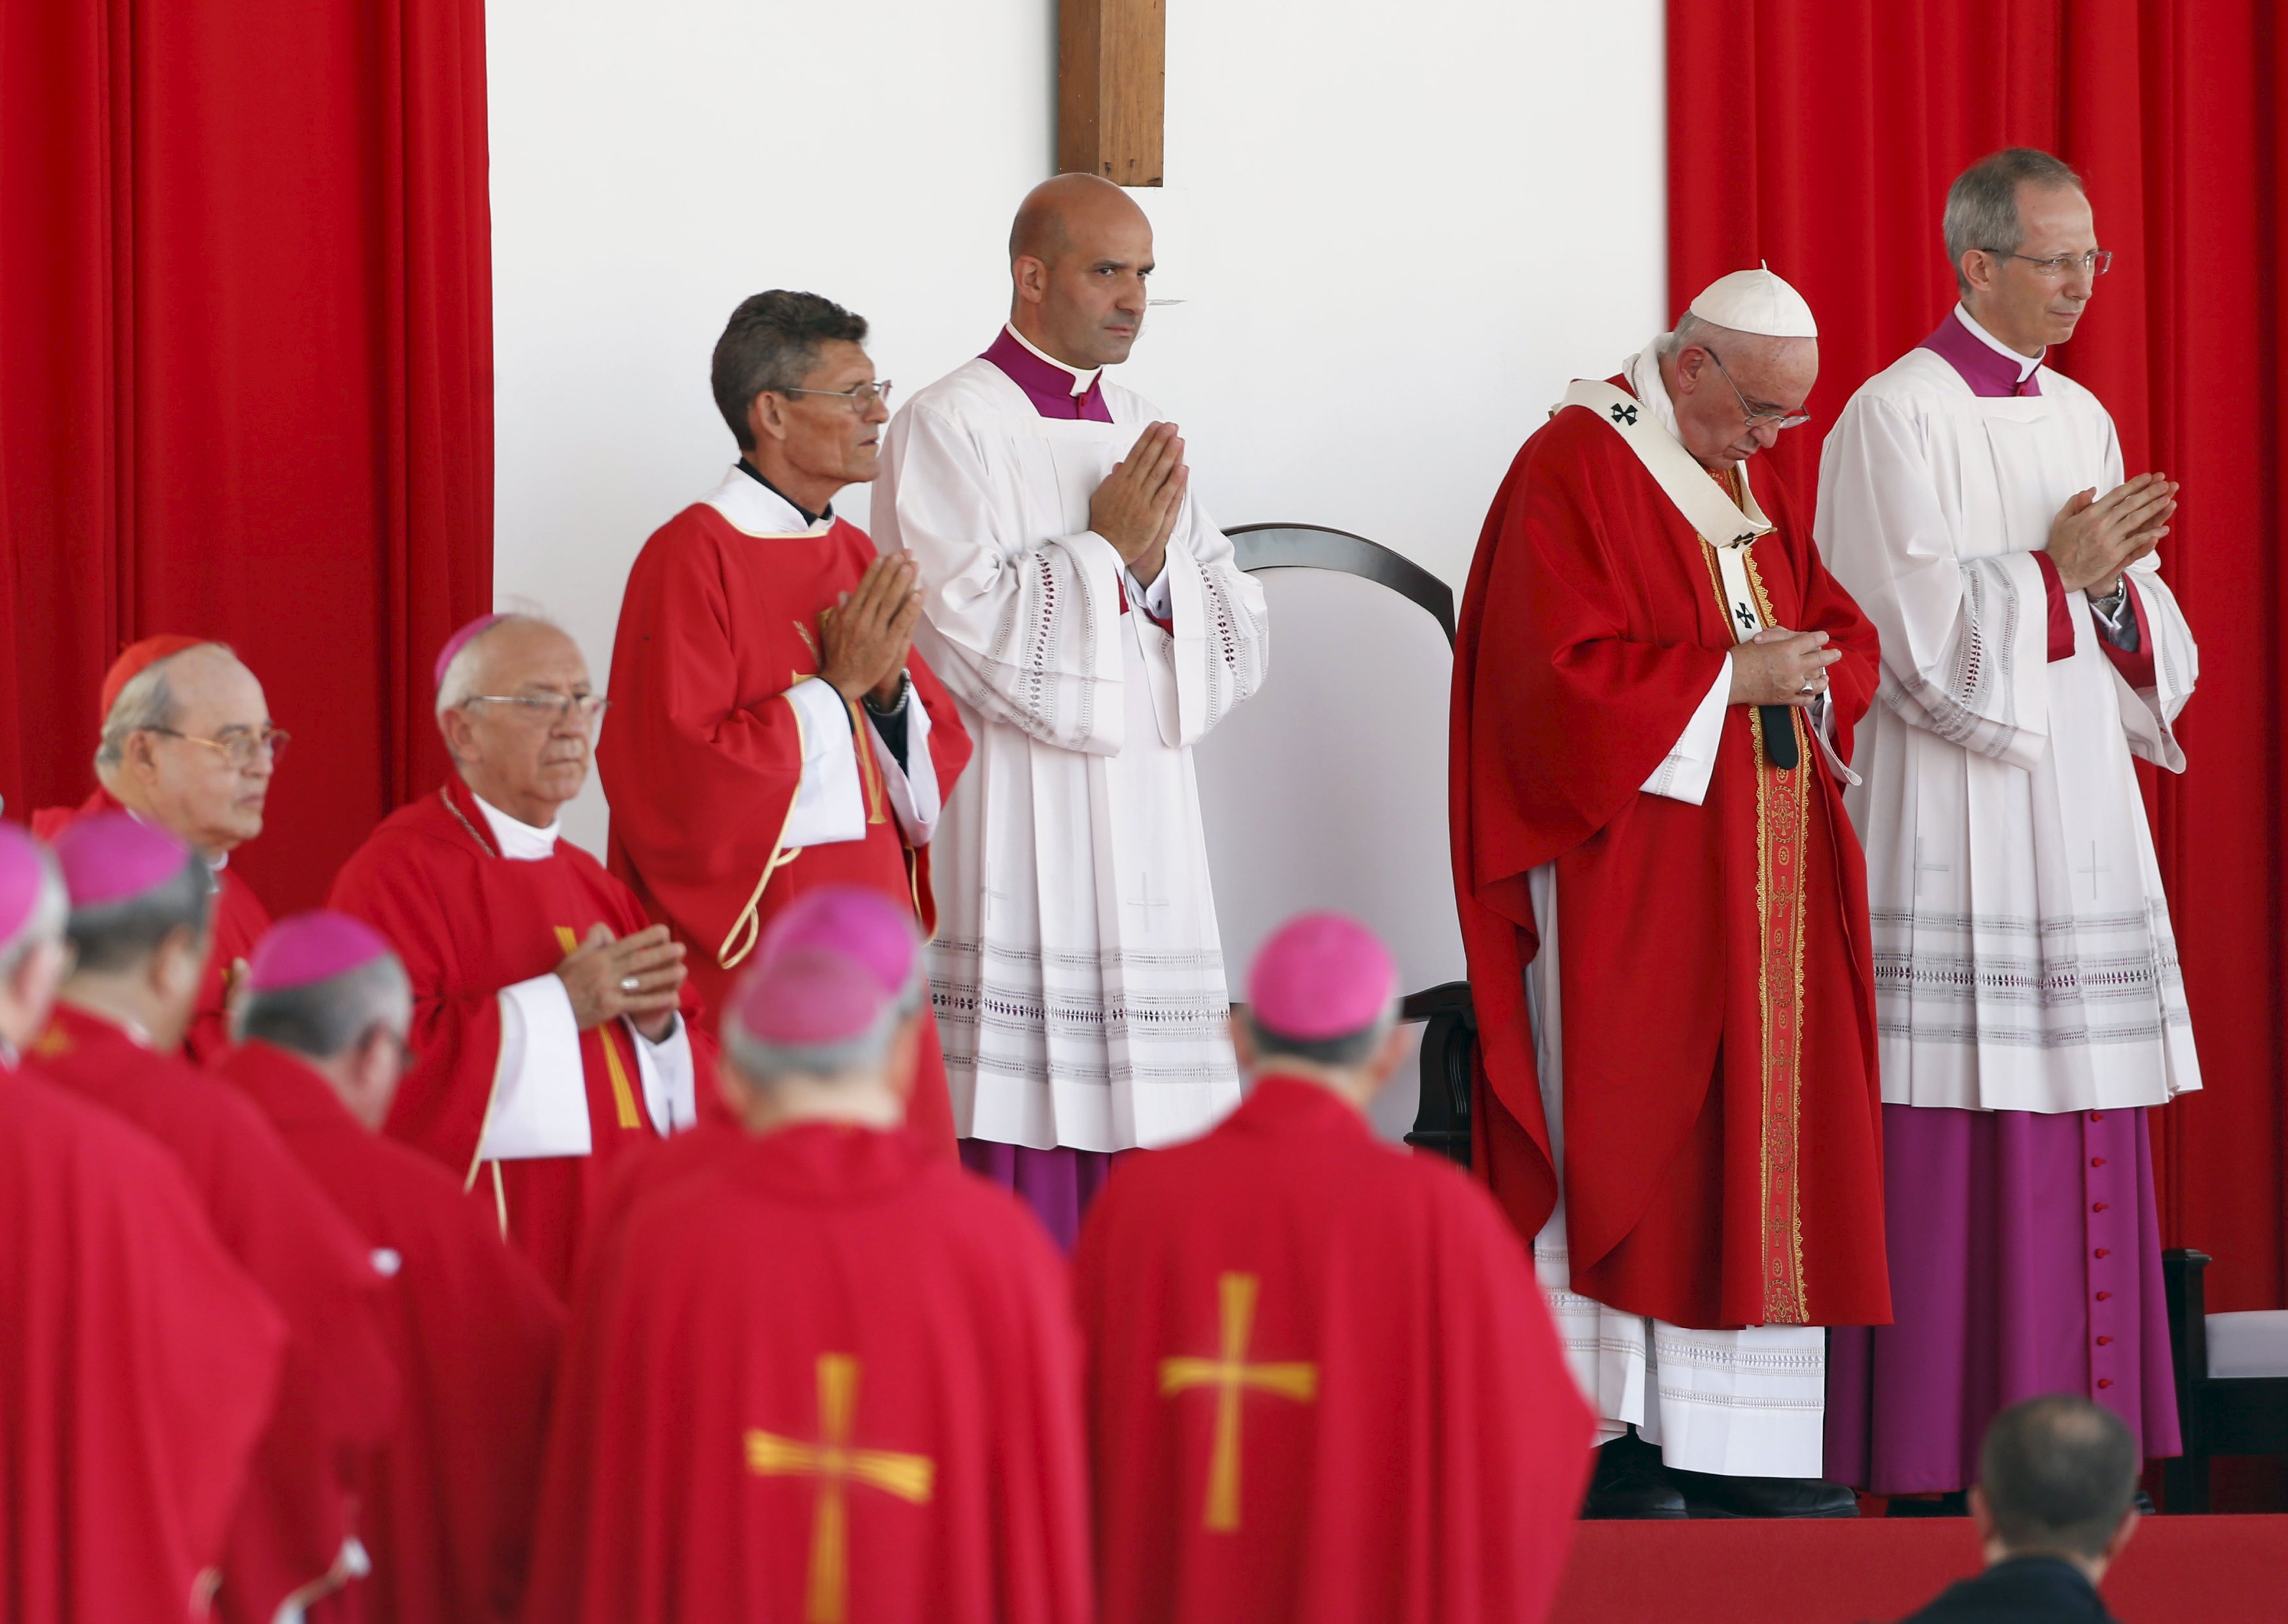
327 1017
148 700
462 671
764 1065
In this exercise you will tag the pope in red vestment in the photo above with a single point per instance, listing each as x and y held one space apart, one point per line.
829 1376
739 776
108 1043
447 1502
198 764
139 1363
1721 1147
1322 1386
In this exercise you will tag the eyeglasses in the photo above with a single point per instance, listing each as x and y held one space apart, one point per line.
552 707
1756 419
863 398
241 750
2097 262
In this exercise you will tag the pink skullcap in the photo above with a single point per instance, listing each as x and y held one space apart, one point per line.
461 639
110 858
136 659
1321 976
313 947
862 924
808 996
21 873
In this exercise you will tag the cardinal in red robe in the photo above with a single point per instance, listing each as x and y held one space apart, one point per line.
1655 684
830 1377
447 1502
773 730
1322 1386
138 901
139 1363
187 745
554 1027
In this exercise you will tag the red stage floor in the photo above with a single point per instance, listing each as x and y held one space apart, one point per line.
2201 1570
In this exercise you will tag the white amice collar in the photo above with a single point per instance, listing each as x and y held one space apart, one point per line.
2026 364
1083 382
1641 373
518 841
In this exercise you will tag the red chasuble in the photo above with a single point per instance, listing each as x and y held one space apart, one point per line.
446 1506
338 1395
239 922
702 758
136 1369
1322 1385
1721 1110
466 923
878 1424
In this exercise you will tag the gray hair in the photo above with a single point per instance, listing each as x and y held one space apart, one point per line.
1981 205
771 343
327 1018
1344 1053
2059 1474
146 701
1690 330
766 1064
45 924
459 685
116 936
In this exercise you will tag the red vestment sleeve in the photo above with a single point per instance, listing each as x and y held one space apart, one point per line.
702 791
2060 617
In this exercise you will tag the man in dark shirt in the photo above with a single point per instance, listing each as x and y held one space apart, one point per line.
2056 1479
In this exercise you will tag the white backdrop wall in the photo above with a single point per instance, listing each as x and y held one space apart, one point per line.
1397 229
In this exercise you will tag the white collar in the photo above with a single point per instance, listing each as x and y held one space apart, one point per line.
1082 381
1642 373
2026 363
519 842
754 508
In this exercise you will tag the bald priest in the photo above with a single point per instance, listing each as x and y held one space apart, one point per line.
775 730
1664 910
551 1020
187 745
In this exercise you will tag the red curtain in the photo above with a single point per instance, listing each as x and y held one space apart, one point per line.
245 380
1822 139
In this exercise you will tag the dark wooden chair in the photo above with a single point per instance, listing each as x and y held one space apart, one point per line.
2227 1414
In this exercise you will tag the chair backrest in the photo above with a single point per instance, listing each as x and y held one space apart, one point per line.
1328 788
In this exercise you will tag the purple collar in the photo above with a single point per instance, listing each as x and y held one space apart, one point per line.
1047 385
1990 374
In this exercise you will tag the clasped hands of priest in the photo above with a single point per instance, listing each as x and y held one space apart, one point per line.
2095 538
1779 667
866 634
1135 507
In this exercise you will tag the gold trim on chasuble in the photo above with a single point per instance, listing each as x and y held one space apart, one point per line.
624 1100
750 921
1783 822
1230 1375
835 1464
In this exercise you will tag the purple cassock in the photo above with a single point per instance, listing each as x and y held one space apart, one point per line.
1060 1182
2025 1250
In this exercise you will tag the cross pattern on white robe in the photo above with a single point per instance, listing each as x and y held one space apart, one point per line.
1077 973
2023 954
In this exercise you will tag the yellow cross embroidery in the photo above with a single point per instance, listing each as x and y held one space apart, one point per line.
1230 1375
835 1464
623 1097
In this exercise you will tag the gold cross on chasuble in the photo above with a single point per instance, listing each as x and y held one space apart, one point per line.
1231 1375
624 1098
835 1464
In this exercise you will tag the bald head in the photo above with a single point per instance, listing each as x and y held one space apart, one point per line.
515 708
1079 252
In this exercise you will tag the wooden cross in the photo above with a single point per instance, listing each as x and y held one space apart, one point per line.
1230 1375
1111 67
836 1465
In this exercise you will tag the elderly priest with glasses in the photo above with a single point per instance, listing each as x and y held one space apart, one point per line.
2031 1008
1665 908
187 746
551 1020
776 731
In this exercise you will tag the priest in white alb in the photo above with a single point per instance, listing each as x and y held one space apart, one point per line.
1093 626
2028 995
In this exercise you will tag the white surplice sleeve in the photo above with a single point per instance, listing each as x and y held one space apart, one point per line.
1223 634
670 1080
912 786
540 1083
1964 640
828 805
1024 629
2149 716
1683 773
